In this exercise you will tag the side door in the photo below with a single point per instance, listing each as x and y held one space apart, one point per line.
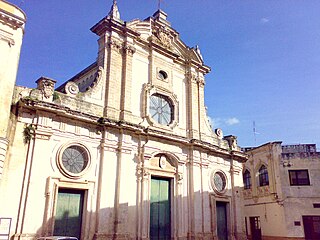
311 226
255 228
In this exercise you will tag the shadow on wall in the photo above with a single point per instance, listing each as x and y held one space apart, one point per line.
211 216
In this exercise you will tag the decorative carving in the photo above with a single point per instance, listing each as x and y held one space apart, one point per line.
219 133
97 79
162 161
115 45
130 50
46 86
163 37
247 193
201 81
71 88
142 172
232 141
191 77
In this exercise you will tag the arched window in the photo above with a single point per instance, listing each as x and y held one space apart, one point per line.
161 109
247 180
263 176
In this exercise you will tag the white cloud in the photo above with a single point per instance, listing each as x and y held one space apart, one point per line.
215 122
232 121
220 122
264 20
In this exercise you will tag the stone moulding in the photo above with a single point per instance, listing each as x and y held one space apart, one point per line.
7 37
12 20
138 129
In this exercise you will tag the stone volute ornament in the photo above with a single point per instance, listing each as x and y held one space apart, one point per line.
96 80
71 88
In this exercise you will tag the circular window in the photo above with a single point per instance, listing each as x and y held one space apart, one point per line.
162 75
161 109
74 160
219 181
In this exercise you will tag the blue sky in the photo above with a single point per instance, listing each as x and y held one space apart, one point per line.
264 56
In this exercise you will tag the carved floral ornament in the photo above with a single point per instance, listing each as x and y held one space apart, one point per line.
119 47
142 172
192 77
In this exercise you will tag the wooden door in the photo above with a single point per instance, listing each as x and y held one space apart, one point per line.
222 221
311 226
68 216
160 209
255 228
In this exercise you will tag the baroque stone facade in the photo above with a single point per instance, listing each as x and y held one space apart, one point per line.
124 149
281 193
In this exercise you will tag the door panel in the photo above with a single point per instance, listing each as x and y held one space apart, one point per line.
222 226
160 213
255 228
68 216
311 226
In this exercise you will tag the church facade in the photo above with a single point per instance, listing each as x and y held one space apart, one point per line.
124 149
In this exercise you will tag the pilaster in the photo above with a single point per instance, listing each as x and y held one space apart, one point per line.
193 105
126 86
114 78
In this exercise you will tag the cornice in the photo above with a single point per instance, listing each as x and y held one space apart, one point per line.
135 128
109 24
12 20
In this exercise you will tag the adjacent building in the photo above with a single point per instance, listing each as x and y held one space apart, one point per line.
124 149
281 191
12 21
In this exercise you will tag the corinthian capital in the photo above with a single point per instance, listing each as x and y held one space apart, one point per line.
115 45
129 50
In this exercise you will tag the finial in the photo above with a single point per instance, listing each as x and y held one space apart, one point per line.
114 11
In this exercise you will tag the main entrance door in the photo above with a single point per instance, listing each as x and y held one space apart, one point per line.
68 216
160 209
222 223
311 226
